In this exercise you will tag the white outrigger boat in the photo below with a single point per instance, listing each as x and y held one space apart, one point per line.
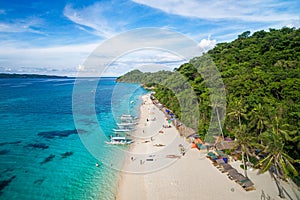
127 124
119 140
128 118
122 130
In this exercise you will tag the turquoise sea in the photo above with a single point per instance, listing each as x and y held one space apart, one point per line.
43 153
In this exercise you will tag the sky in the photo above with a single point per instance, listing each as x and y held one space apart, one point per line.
56 37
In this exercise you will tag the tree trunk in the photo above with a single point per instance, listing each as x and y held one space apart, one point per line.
280 190
248 159
244 163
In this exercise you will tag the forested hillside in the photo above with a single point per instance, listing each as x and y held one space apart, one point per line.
261 75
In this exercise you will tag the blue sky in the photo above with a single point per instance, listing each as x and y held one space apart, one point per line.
55 37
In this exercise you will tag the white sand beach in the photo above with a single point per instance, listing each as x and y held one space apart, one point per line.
156 170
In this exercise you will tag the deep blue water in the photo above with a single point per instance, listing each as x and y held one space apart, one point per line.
50 140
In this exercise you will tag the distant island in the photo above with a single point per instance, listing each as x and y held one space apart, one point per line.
7 75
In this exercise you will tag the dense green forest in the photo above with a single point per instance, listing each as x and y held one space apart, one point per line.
261 77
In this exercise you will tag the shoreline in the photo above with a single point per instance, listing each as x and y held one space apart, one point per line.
191 176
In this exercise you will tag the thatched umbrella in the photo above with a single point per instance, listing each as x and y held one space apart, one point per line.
232 171
226 166
237 176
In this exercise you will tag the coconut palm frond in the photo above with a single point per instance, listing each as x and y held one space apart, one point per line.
267 165
291 168
295 139
287 157
263 161
283 167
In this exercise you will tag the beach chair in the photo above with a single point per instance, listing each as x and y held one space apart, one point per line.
211 155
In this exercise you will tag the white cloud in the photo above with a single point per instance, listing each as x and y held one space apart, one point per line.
92 19
147 60
22 25
254 10
207 44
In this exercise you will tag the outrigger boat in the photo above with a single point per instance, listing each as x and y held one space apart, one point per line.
127 124
122 130
119 140
128 118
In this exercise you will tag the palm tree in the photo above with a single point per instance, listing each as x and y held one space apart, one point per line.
238 111
245 142
258 119
276 158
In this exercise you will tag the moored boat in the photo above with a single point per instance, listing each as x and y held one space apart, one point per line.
119 140
128 118
127 124
122 130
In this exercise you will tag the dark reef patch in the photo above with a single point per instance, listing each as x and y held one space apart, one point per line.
3 143
7 170
66 154
15 142
5 183
48 159
59 134
88 121
39 181
38 146
4 151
